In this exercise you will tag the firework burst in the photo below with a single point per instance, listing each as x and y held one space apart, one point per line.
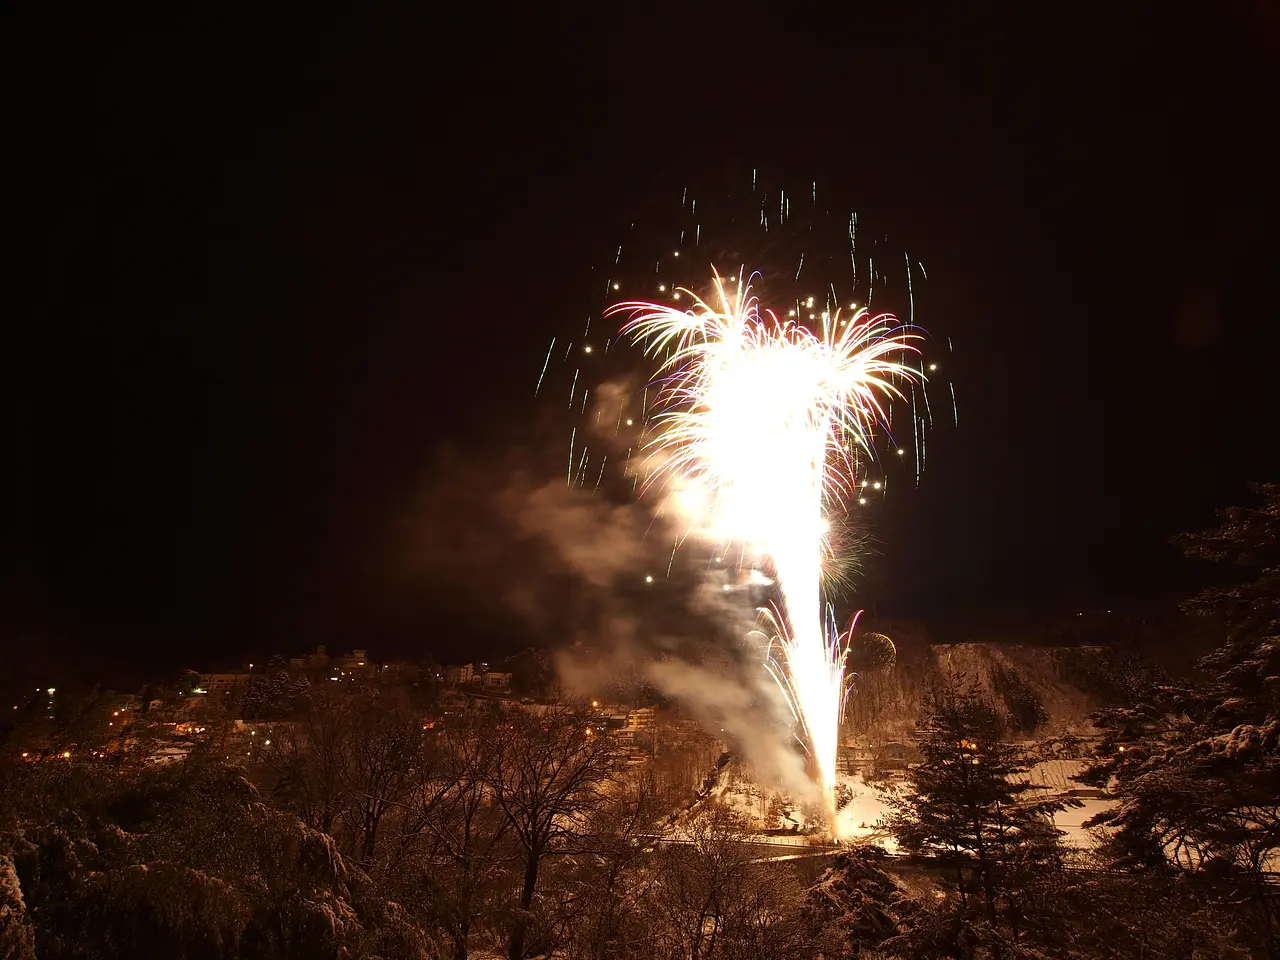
757 435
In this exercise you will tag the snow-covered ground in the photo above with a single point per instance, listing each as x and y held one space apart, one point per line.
1056 776
863 818
1071 821
170 754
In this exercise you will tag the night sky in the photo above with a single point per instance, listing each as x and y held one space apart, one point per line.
268 270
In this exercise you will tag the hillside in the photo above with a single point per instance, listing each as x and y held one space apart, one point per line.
1045 692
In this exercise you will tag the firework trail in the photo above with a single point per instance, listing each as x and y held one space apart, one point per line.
663 257
757 434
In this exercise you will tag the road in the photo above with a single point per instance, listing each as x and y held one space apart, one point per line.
767 849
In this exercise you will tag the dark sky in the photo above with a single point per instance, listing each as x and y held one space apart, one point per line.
268 268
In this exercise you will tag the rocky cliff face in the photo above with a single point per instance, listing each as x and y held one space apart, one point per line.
1044 692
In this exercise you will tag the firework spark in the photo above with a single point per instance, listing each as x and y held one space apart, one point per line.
758 434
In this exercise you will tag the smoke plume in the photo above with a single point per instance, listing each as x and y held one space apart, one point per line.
601 580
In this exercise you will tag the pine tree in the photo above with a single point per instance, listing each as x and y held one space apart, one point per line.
971 803
1197 768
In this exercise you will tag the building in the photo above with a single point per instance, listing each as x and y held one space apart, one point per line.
312 661
357 661
351 666
400 672
495 680
220 684
642 718
459 674
896 756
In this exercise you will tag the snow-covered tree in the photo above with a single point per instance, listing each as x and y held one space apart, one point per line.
303 764
855 905
971 803
182 862
17 936
1196 768
380 749
599 916
707 897
458 861
549 770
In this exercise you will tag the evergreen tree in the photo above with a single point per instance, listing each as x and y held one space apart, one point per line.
970 802
1197 768
856 905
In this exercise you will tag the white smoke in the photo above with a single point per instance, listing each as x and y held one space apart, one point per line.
575 569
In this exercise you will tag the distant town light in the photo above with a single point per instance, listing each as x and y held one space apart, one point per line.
648 579
66 754
51 691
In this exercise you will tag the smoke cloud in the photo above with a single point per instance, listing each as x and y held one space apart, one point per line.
600 579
